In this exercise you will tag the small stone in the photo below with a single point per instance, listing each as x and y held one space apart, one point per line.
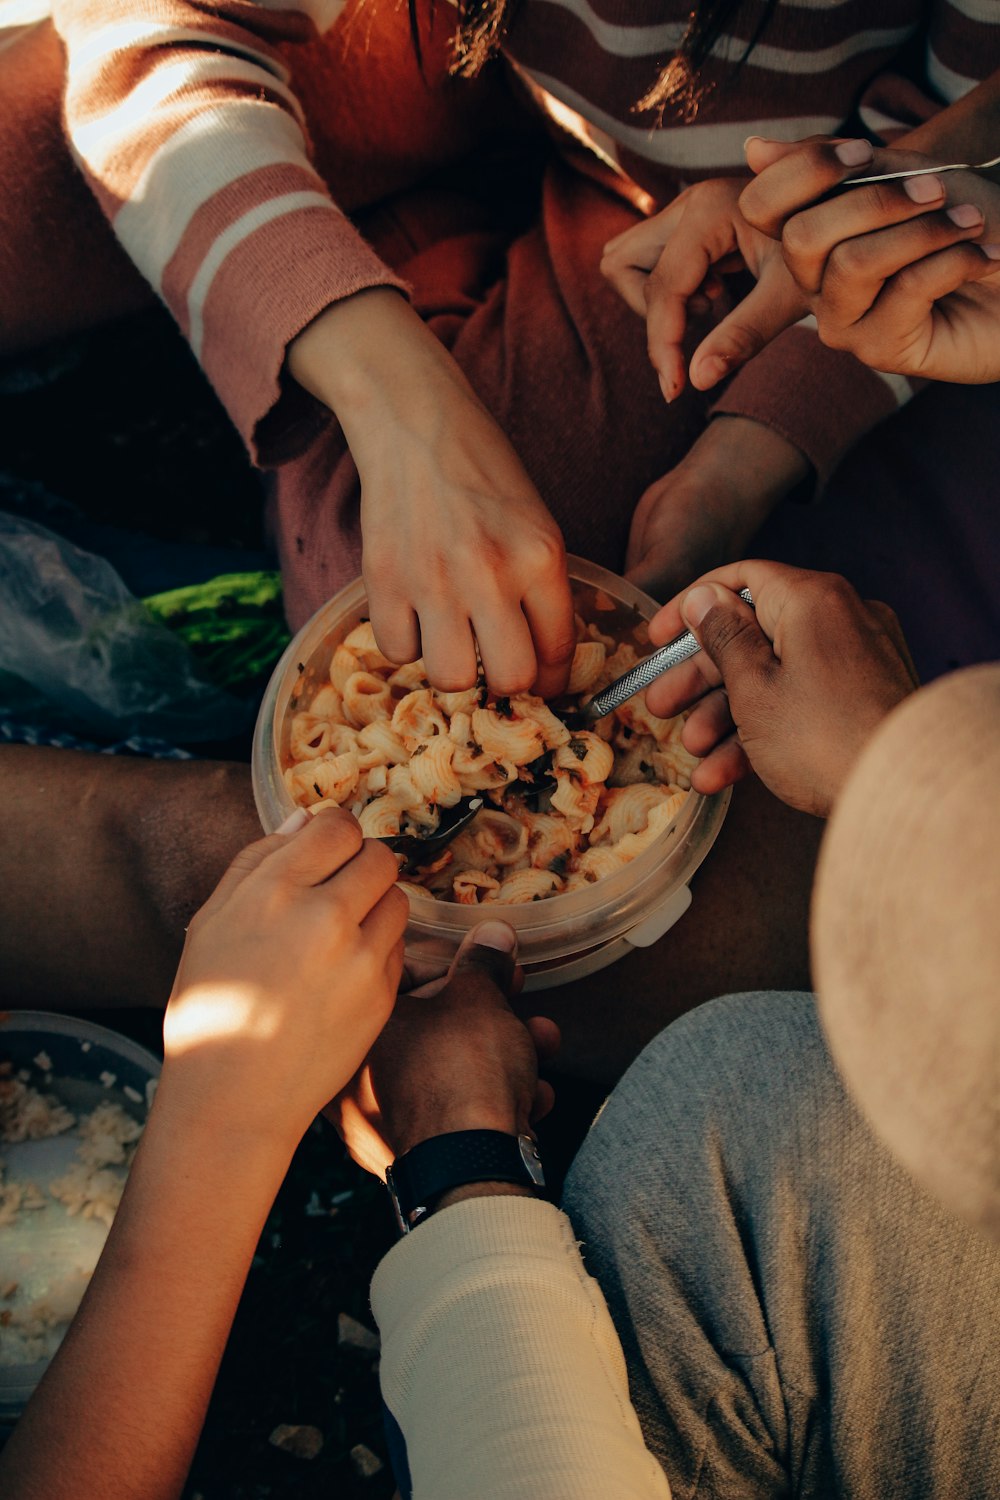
300 1442
366 1463
354 1335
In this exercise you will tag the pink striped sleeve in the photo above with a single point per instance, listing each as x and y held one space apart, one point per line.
180 116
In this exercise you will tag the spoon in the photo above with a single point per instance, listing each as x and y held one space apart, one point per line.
679 650
955 166
422 848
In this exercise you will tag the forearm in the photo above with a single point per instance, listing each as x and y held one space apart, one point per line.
118 1414
103 862
190 137
500 1362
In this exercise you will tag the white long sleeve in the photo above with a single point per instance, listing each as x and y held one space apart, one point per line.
501 1364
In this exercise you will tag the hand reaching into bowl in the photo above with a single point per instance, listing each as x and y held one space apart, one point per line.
792 691
458 546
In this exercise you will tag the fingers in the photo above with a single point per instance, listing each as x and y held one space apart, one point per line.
394 621
909 296
506 648
383 928
724 766
798 177
369 877
326 843
659 266
708 724
628 258
674 279
681 686
811 239
549 611
889 621
544 1100
546 1036
772 305
447 646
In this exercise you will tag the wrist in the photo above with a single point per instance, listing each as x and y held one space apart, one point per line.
361 351
446 1169
420 1128
483 1190
192 1119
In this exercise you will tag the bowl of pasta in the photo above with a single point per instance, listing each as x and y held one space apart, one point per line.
587 840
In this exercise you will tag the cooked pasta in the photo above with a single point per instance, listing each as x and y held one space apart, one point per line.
378 739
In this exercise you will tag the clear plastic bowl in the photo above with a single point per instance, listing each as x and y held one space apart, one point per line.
562 937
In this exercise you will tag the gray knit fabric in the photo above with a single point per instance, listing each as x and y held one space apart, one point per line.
798 1317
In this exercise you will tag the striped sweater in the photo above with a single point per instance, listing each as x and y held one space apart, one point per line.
181 116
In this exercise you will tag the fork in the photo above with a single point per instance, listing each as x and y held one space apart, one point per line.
955 166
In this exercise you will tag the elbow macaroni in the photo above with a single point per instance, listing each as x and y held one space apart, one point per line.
378 739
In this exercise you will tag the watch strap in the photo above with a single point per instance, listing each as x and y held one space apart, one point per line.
418 1178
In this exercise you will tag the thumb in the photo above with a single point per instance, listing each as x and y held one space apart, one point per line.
774 304
490 948
727 631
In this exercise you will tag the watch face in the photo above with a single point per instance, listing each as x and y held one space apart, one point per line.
532 1160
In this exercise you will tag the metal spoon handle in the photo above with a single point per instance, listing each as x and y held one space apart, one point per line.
953 166
646 671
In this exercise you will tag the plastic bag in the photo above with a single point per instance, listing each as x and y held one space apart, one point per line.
79 652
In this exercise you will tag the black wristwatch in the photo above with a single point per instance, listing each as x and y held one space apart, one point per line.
418 1178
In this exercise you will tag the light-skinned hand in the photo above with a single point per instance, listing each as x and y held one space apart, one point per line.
904 275
457 544
288 975
453 1057
793 690
670 263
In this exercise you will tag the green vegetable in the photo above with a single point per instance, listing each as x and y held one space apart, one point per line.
234 625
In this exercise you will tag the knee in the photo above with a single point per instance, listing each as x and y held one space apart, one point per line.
725 1094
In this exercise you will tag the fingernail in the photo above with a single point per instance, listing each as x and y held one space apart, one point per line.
923 189
495 935
854 153
965 215
668 388
696 604
712 370
296 820
992 252
750 138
